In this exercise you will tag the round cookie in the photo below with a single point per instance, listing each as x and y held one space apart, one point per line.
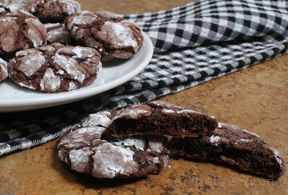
55 68
45 10
84 151
57 33
3 70
19 31
107 32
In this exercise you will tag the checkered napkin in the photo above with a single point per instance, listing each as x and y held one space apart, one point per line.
194 43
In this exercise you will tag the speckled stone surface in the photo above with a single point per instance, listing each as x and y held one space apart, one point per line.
255 98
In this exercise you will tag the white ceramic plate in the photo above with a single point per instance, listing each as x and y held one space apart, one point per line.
113 74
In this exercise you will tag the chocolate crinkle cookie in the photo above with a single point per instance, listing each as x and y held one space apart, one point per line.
45 10
84 151
159 119
57 33
135 141
107 32
232 146
3 70
55 68
20 30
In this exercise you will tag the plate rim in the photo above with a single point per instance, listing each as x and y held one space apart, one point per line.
84 92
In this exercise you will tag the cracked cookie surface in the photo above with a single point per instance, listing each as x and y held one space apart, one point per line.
83 149
159 119
55 68
20 30
107 32
45 10
57 33
105 147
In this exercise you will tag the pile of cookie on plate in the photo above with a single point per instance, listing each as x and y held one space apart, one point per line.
53 46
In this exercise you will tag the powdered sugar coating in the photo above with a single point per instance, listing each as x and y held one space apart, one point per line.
30 64
36 32
83 18
177 111
50 81
48 10
131 142
70 66
84 149
98 119
55 67
56 32
121 35
133 112
80 158
107 15
107 32
124 156
110 161
17 5
277 156
69 6
20 30
214 140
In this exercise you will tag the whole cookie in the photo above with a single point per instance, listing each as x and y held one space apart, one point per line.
57 33
20 30
107 32
3 70
55 68
45 10
84 151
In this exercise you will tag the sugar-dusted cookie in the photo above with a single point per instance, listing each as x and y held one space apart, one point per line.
83 149
45 10
55 68
20 30
107 32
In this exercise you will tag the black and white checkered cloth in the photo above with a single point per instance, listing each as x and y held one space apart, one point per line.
194 43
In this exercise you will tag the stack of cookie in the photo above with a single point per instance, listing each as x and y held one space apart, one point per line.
138 140
53 46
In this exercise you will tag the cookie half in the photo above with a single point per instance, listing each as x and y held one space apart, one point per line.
55 68
232 146
159 119
83 149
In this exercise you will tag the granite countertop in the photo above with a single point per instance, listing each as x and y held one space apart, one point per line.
255 98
